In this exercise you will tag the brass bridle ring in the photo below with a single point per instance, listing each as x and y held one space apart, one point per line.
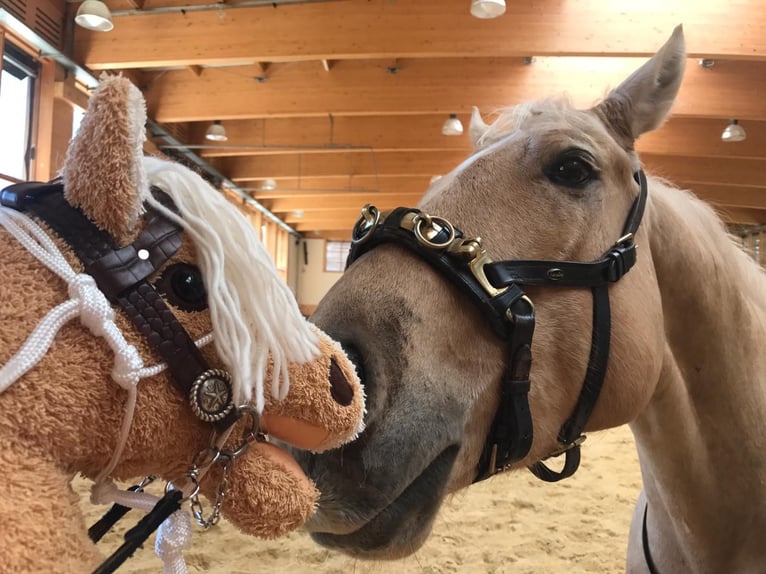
429 221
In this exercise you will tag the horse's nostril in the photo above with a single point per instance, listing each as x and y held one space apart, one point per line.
340 388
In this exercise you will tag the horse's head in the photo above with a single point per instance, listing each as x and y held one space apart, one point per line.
186 331
545 182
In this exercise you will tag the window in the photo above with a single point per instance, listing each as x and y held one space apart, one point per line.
335 255
17 95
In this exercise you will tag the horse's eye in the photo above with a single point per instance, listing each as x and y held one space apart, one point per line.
182 285
571 171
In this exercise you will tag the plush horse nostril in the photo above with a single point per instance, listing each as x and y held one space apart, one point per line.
340 389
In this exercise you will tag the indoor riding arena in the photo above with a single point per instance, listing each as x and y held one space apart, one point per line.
383 286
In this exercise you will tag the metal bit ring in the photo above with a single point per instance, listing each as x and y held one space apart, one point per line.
429 221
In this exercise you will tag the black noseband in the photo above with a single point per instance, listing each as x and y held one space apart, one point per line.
496 287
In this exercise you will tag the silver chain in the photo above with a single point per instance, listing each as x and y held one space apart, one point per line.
196 504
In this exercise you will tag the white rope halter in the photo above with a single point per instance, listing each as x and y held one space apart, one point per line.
96 313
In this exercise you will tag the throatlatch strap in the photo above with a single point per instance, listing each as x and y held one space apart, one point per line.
571 464
596 370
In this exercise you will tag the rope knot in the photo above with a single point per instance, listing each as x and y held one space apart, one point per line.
95 310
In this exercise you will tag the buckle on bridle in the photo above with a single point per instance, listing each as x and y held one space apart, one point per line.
565 447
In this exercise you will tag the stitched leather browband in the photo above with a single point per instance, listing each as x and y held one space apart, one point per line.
496 288
122 273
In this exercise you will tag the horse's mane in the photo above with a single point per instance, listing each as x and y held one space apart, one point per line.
253 311
509 118
713 238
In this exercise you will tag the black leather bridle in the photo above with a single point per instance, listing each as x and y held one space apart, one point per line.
496 287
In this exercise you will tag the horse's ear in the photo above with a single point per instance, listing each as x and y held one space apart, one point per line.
104 172
642 102
477 127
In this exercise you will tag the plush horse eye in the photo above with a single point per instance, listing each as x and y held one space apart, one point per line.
182 285
571 171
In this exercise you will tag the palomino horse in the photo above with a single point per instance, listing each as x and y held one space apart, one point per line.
683 357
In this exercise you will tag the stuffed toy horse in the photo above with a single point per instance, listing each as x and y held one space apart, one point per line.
188 357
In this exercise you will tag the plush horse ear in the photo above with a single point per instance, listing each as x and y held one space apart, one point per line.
642 102
103 172
476 128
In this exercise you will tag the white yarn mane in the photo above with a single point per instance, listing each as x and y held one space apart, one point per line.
253 311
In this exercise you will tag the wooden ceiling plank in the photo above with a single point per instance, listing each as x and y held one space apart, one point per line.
317 134
338 164
730 89
268 136
739 215
369 184
735 171
334 202
363 30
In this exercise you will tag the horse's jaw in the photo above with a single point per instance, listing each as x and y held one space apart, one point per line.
395 530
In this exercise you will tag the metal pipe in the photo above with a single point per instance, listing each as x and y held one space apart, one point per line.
210 7
158 131
89 80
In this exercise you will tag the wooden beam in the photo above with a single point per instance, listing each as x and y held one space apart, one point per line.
328 224
739 215
746 196
329 235
432 28
702 138
321 135
737 171
43 166
733 171
262 68
67 91
337 164
335 202
679 136
730 89
317 187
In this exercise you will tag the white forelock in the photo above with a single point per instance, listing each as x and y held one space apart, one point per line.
253 311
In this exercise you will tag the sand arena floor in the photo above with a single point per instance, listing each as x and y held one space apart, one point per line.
509 524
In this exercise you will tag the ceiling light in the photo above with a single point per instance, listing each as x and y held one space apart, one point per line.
485 9
734 132
435 178
268 185
216 132
298 213
452 126
94 15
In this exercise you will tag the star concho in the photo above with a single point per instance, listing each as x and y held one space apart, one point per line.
210 395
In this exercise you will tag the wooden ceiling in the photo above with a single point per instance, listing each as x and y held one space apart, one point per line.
341 102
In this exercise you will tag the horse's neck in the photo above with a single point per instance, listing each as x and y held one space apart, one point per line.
701 438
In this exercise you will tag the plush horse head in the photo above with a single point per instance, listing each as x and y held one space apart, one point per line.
185 332
594 297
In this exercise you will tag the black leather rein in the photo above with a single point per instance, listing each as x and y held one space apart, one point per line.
496 287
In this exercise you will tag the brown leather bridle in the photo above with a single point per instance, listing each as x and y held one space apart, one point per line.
496 288
122 274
